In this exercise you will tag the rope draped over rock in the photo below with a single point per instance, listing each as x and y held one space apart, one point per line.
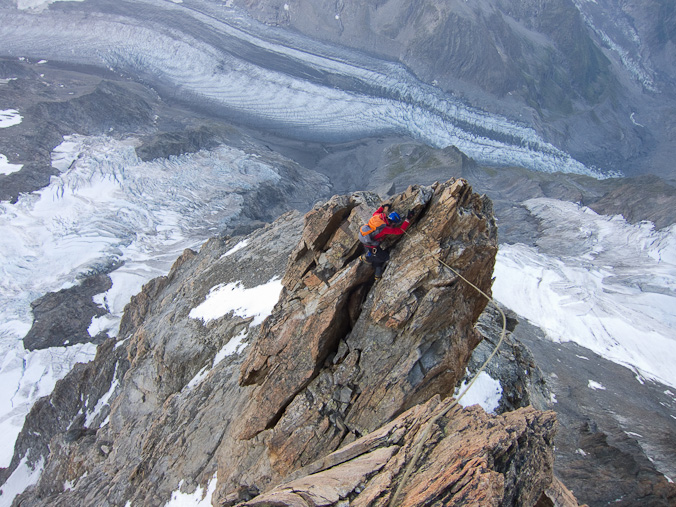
428 429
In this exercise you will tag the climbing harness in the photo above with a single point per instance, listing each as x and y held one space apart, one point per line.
428 429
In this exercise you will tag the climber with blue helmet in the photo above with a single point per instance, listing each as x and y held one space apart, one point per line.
381 224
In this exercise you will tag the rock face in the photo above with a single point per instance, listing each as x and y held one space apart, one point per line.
325 290
523 383
498 461
328 401
60 317
483 43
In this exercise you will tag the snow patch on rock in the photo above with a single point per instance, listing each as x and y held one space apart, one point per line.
25 475
9 118
199 498
256 302
485 392
6 167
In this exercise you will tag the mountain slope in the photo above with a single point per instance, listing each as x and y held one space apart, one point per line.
176 404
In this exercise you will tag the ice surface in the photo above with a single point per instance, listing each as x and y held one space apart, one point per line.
485 391
26 376
67 152
256 302
599 281
38 4
111 208
9 118
278 80
6 167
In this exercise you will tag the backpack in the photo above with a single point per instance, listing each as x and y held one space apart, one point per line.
368 232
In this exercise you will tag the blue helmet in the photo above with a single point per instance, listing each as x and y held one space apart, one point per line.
393 217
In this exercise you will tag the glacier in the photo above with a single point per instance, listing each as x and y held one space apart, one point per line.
617 33
599 281
216 58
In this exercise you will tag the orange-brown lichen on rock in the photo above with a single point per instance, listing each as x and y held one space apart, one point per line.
470 458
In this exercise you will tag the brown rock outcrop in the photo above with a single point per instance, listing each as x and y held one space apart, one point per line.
388 346
470 459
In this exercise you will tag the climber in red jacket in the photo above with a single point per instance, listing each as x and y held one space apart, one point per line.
381 224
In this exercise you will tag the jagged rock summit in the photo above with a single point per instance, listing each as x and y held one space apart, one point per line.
328 401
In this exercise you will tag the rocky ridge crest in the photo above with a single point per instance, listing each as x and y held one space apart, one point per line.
326 403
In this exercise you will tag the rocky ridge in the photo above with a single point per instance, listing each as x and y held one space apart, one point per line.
325 403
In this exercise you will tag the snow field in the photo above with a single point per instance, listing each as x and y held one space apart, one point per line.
599 281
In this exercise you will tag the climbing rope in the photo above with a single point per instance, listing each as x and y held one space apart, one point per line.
428 429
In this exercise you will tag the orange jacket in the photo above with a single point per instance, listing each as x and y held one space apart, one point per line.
388 229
